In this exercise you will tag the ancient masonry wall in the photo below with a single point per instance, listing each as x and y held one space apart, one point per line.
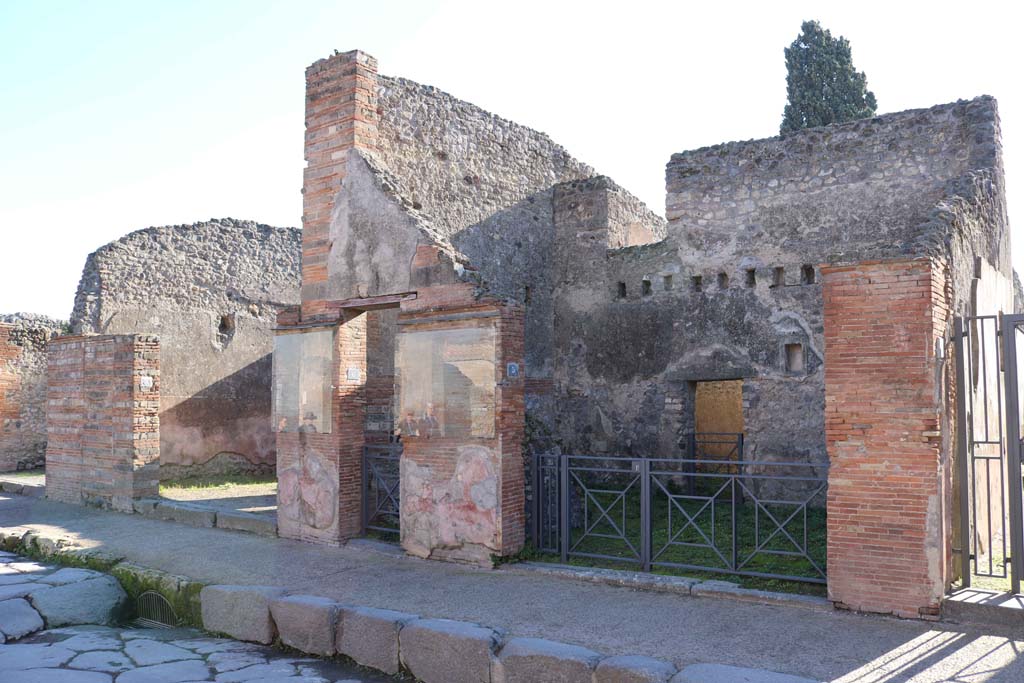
635 334
888 502
478 183
103 421
23 342
211 291
737 279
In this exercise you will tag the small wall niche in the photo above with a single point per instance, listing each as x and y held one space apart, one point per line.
645 287
750 279
779 277
621 290
698 283
723 281
666 283
225 329
796 361
807 275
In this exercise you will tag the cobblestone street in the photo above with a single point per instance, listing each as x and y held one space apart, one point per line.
100 654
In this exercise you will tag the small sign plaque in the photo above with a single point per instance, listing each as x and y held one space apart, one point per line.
352 374
145 382
512 370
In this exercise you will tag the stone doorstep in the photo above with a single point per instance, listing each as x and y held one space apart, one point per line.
18 488
660 583
195 514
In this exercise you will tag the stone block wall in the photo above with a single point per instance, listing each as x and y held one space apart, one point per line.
888 497
103 423
211 292
23 342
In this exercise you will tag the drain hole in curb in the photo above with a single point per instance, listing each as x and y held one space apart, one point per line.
155 611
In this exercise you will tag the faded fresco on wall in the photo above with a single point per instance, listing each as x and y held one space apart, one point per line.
446 382
302 381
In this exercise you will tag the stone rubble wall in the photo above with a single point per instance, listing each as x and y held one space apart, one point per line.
211 291
737 278
23 340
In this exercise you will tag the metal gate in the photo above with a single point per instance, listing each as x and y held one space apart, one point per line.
988 450
730 516
382 487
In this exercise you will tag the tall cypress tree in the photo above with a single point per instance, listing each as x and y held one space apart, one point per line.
822 85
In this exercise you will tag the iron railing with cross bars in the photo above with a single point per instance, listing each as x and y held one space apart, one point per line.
763 519
381 487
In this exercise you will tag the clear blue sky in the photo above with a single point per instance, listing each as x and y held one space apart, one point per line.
121 115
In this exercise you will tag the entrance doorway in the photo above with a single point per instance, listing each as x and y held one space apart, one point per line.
718 411
990 533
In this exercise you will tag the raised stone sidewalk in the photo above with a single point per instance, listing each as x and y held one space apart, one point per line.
519 619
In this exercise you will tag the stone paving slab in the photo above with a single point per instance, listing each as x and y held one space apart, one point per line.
613 620
89 654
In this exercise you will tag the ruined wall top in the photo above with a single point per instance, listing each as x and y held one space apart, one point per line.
32 330
199 266
864 189
458 163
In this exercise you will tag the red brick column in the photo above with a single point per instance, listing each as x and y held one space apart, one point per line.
887 521
341 113
103 430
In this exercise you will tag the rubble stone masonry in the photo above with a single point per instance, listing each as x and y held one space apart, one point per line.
211 292
23 342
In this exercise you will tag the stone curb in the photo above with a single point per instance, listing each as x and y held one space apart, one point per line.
679 585
388 641
200 516
17 488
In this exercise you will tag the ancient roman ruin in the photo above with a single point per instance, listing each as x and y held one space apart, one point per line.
470 318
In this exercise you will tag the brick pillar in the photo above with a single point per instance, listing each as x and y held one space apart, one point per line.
103 429
887 521
341 113
320 473
462 488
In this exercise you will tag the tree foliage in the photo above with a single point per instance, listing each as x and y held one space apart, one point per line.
822 85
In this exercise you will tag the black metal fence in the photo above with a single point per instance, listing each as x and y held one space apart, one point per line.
381 487
763 519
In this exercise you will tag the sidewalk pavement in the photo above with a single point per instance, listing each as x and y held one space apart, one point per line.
824 645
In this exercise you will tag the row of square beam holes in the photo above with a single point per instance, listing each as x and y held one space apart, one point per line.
750 280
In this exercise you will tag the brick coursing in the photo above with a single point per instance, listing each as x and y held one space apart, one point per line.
887 521
103 426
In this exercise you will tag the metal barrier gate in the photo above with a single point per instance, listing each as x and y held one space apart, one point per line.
763 519
988 450
382 487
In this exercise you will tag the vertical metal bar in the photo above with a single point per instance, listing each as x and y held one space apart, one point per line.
563 517
735 541
645 514
962 454
1013 446
535 503
691 446
365 497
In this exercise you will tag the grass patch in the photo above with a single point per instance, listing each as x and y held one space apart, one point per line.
220 481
